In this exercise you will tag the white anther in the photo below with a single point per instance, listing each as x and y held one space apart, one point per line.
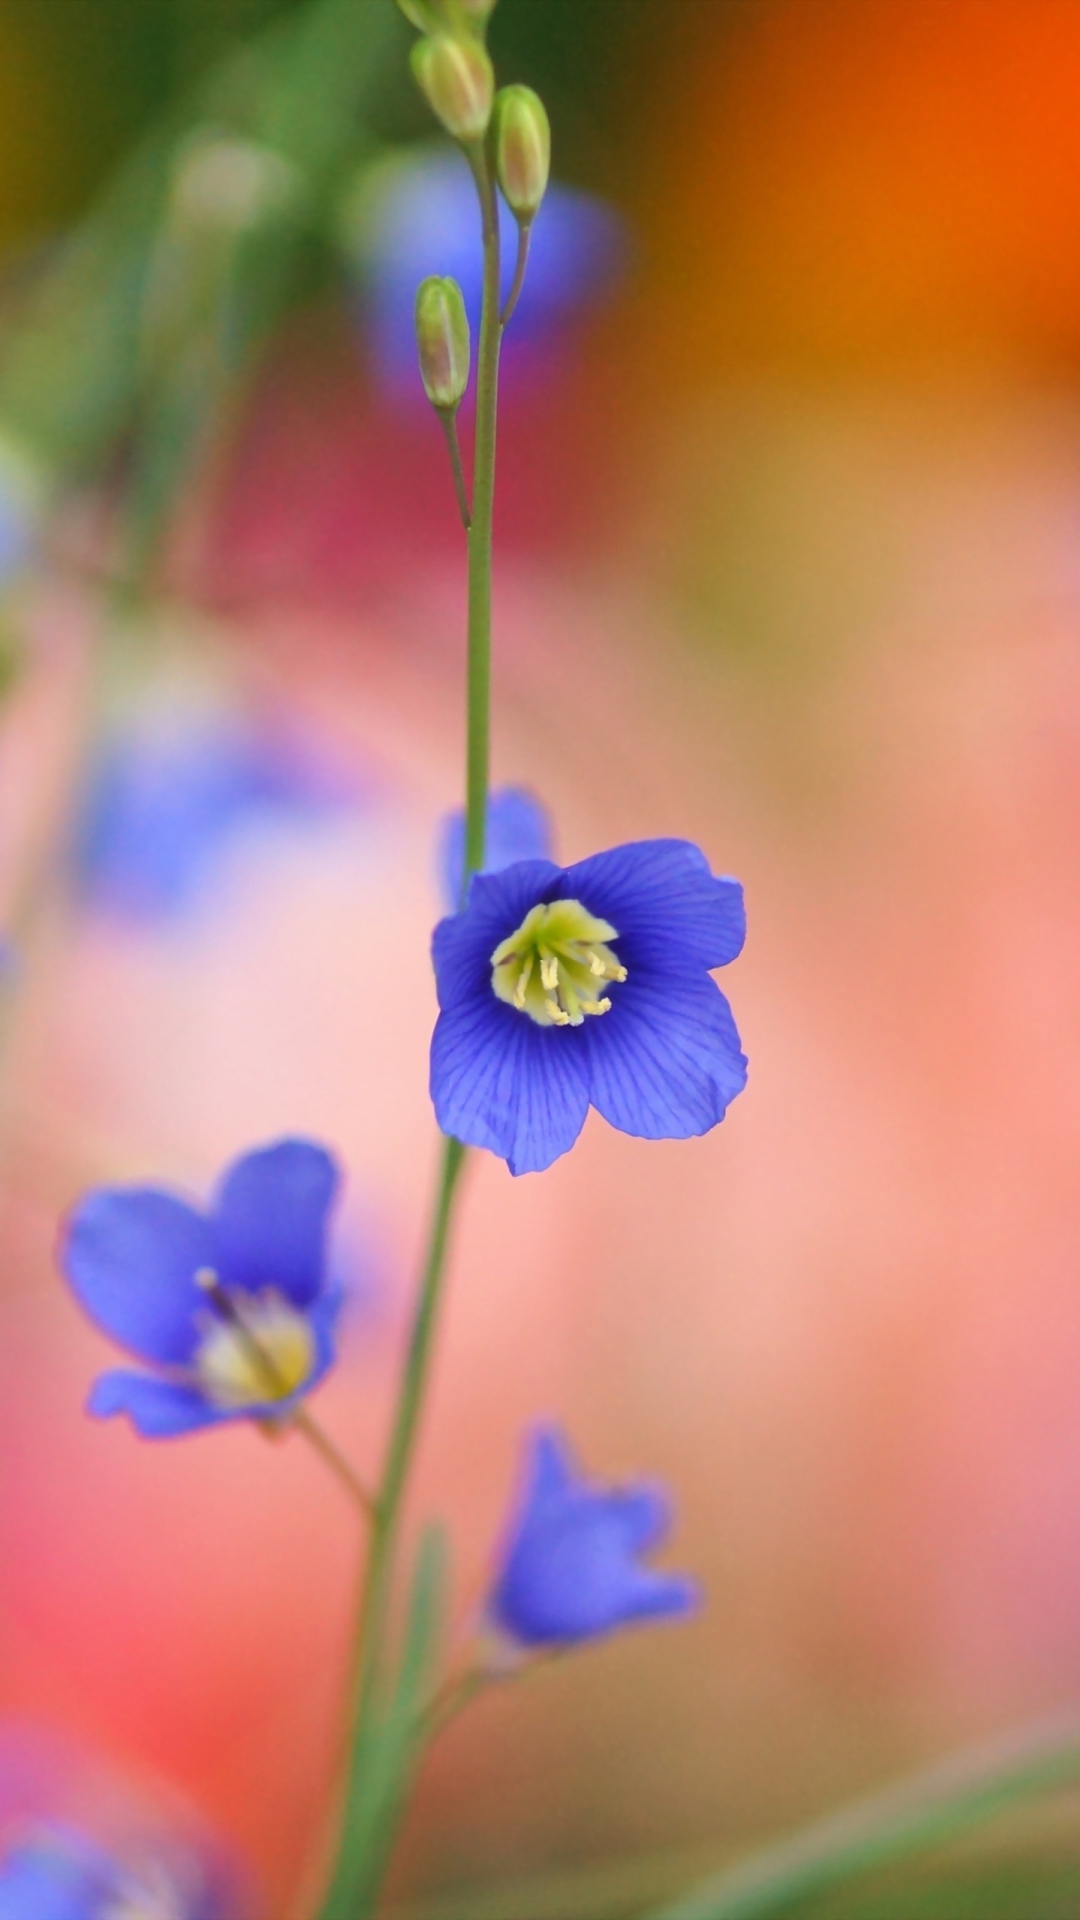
549 973
597 966
206 1279
558 1017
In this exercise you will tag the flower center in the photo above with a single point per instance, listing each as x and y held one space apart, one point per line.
142 1901
554 965
256 1347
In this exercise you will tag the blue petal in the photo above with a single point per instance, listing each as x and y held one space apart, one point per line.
518 828
570 1568
672 912
270 1220
463 944
131 1255
500 1081
644 1513
50 1878
665 1063
158 1409
552 1471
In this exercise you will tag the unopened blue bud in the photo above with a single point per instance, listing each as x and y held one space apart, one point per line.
522 149
457 80
442 339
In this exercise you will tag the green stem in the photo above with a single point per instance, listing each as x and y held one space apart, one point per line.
477 776
364 1844
933 1807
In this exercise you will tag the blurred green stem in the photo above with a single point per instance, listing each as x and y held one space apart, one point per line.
933 1807
365 1844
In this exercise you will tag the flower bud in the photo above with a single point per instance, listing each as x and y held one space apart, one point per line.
522 149
458 82
442 338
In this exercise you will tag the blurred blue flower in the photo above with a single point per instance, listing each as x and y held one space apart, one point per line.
518 828
165 806
58 1874
234 1308
418 215
572 1565
565 987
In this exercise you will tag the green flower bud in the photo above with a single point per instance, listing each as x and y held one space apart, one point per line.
458 82
442 337
522 148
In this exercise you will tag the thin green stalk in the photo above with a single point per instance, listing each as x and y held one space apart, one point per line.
933 1807
477 777
449 427
364 1843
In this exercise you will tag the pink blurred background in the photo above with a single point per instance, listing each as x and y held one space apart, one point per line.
790 565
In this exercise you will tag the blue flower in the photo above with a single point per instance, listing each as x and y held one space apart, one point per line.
565 987
419 215
166 802
233 1307
59 1874
572 1565
518 828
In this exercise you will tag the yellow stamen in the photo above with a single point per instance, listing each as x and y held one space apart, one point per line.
570 945
256 1348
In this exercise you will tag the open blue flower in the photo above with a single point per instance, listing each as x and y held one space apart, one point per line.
59 1874
572 1566
233 1308
561 987
518 828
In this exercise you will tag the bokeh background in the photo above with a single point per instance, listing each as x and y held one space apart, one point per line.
789 562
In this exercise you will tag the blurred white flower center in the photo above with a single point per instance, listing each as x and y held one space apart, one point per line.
255 1348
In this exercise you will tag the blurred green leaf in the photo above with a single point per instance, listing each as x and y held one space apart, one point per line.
392 1735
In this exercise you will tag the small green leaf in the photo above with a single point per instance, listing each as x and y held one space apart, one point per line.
391 1736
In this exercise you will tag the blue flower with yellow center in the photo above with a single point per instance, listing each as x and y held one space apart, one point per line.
565 987
572 1566
232 1308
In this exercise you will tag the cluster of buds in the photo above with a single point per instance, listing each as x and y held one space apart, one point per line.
453 70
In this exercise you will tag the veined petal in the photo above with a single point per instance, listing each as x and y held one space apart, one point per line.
131 1255
158 1409
672 912
463 943
270 1218
500 1081
518 828
665 1063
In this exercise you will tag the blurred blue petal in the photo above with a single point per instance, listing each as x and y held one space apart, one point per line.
419 215
57 1873
270 1219
571 1569
164 806
518 828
